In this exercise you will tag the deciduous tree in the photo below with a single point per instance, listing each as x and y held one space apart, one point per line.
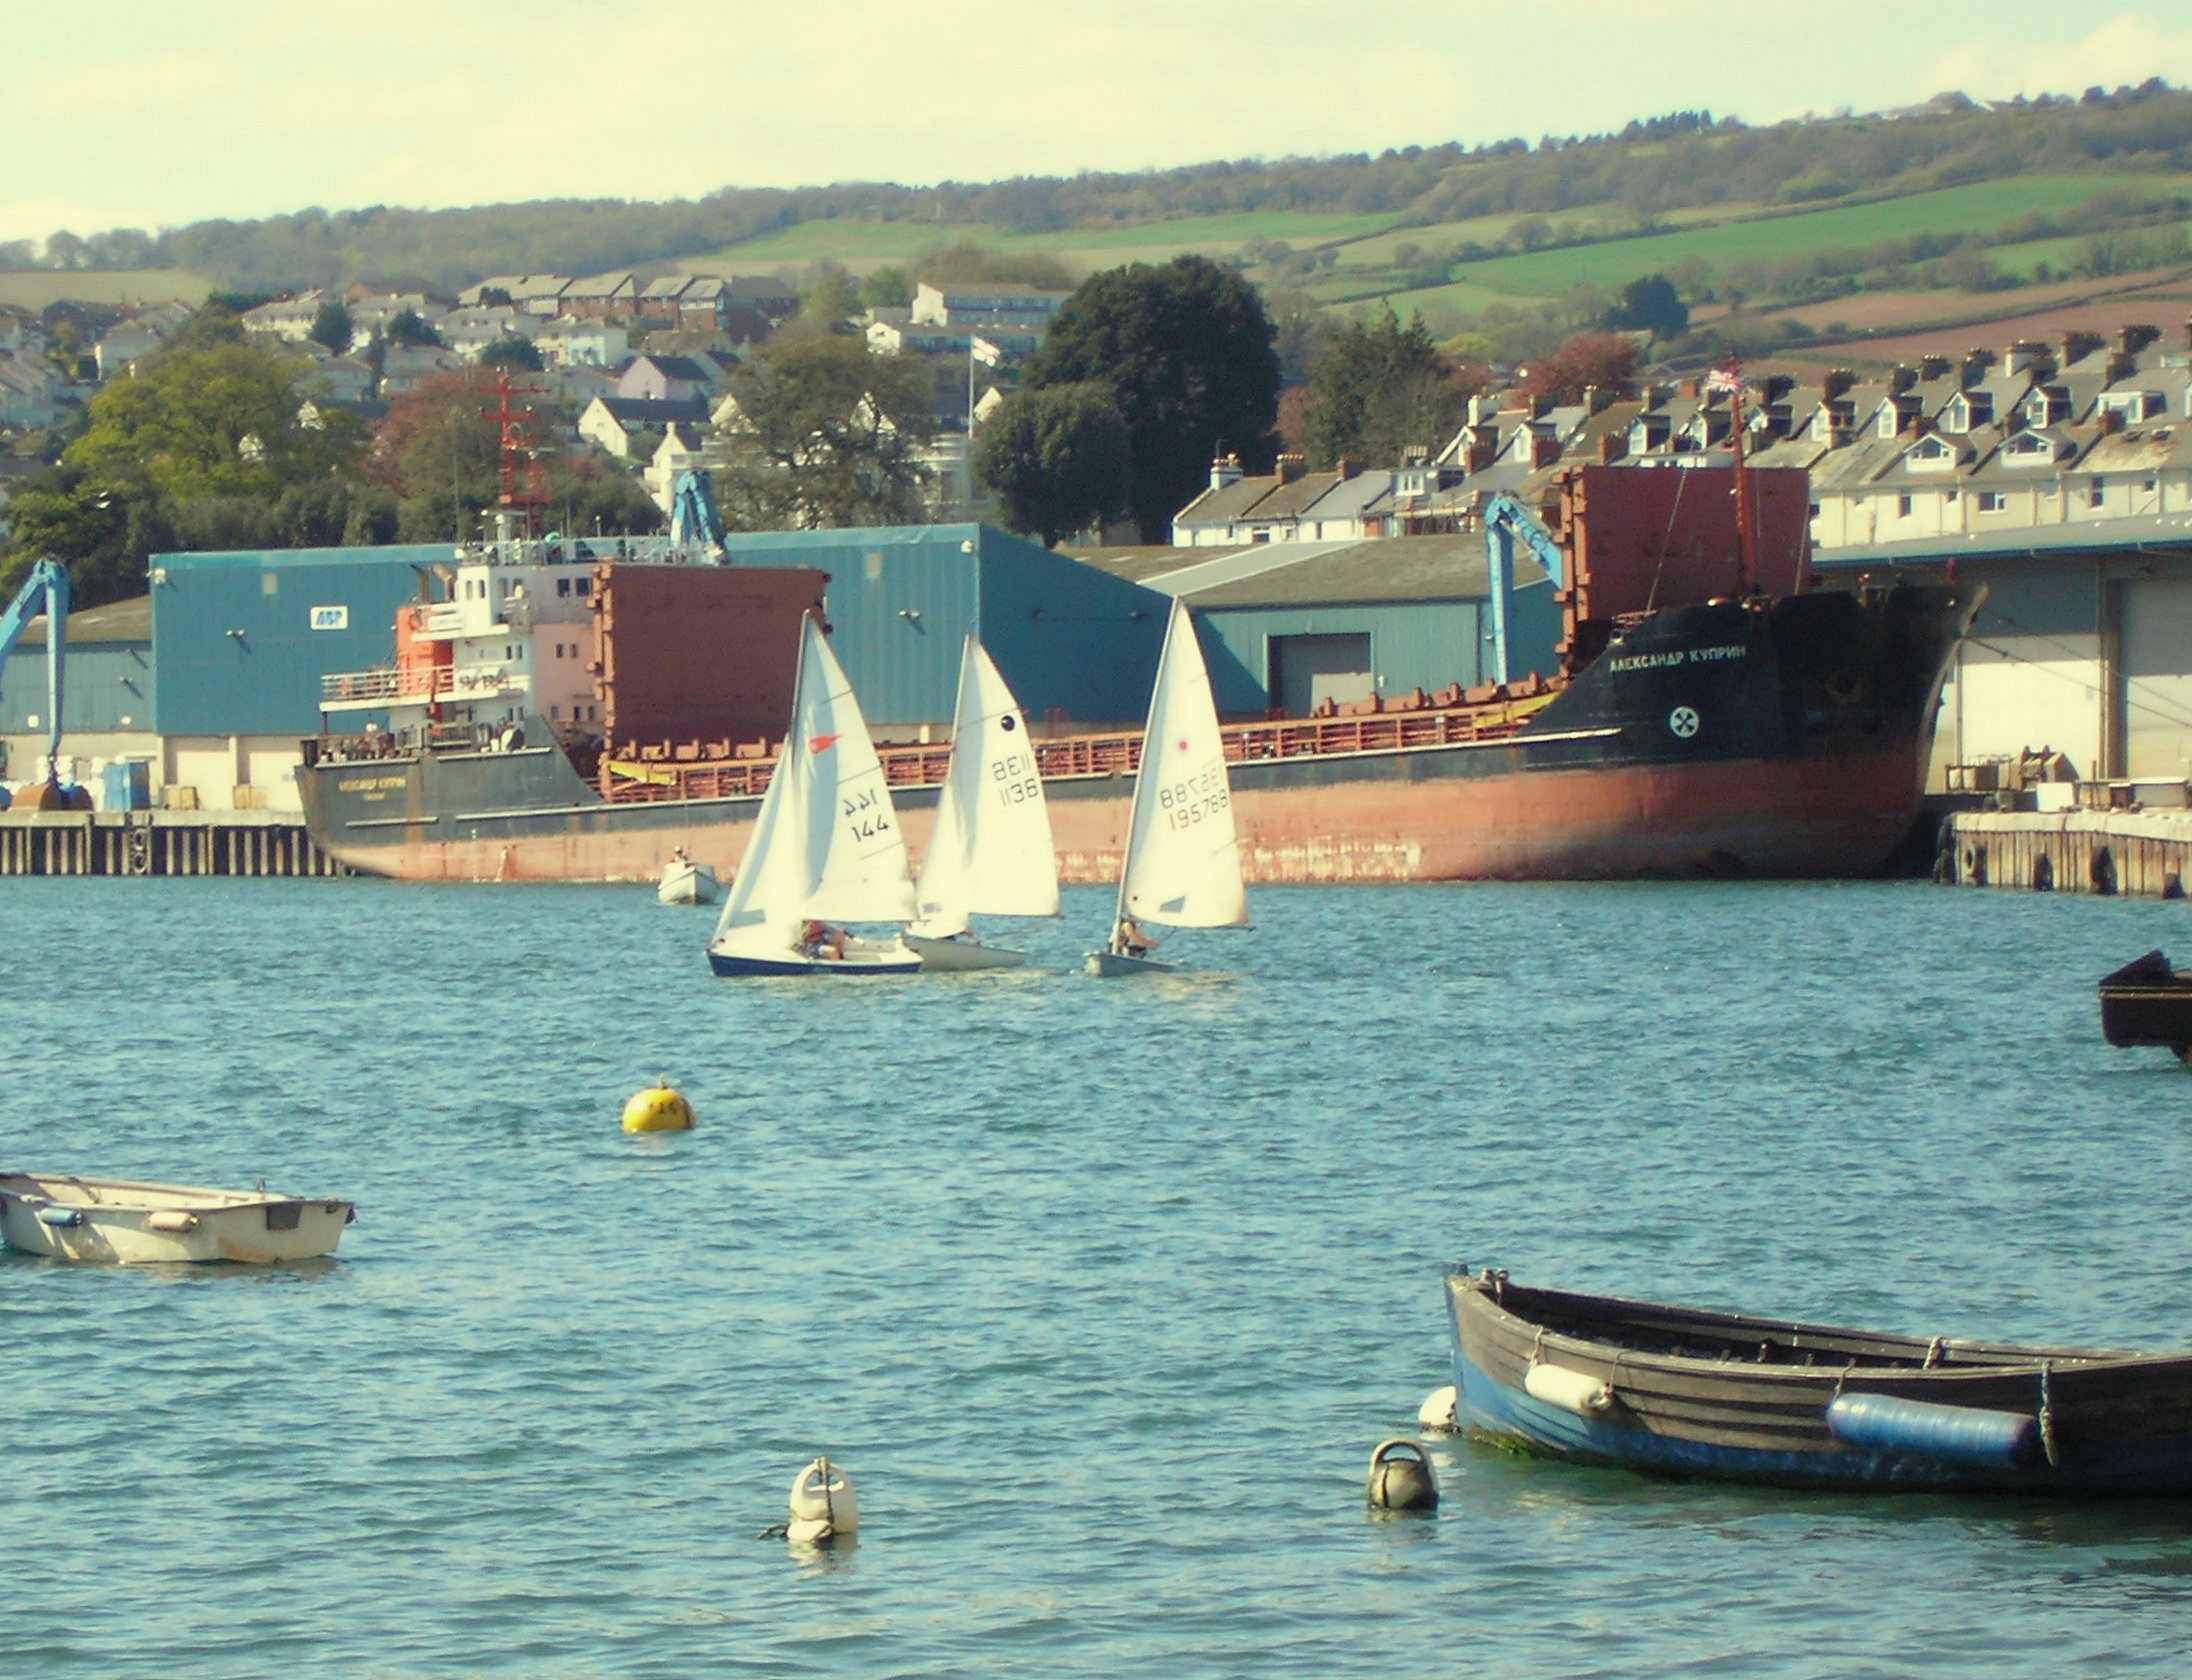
1378 387
1186 350
1604 359
825 435
1059 458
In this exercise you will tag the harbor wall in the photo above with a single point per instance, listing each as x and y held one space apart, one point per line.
256 843
2139 854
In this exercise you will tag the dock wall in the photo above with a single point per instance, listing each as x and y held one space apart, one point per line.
259 843
2140 854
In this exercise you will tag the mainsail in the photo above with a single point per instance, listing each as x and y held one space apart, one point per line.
990 852
1183 862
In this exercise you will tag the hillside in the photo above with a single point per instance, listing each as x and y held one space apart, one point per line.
1777 236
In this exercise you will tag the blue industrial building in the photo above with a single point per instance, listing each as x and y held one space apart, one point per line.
242 639
1077 643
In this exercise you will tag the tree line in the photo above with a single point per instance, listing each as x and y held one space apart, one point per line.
1684 160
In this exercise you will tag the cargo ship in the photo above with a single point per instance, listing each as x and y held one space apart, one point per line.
1710 712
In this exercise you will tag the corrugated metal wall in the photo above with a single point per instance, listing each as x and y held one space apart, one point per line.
1075 643
237 649
106 686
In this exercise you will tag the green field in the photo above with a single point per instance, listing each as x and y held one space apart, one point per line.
863 244
1974 209
35 288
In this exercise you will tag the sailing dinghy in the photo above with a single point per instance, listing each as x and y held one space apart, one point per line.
990 852
1183 861
826 845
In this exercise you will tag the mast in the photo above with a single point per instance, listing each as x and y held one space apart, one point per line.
1746 570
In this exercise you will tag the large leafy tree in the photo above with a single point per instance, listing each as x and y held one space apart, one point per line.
1058 457
1602 359
1186 350
825 434
1378 387
1650 304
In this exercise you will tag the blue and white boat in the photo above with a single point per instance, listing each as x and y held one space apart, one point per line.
826 846
1687 1392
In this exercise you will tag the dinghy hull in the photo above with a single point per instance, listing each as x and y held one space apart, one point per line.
132 1222
962 956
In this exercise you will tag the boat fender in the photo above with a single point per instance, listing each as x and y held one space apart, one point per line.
1401 1478
1571 1391
823 1505
171 1220
1968 1435
658 1109
1436 1414
60 1216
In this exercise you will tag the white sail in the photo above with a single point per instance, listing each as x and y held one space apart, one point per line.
990 851
826 842
1183 862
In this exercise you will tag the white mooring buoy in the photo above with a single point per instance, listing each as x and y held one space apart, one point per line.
1436 1414
823 1505
1400 1477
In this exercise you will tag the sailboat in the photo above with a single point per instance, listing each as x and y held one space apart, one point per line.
990 852
826 847
1183 862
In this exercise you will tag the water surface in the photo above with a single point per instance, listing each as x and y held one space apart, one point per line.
1102 1291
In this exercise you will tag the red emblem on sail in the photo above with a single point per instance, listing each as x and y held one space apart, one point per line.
816 743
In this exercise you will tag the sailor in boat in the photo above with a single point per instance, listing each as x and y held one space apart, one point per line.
820 940
1128 939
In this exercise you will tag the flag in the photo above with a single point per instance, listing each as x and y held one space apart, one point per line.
1724 379
988 354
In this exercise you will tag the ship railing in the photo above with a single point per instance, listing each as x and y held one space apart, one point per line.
415 685
626 780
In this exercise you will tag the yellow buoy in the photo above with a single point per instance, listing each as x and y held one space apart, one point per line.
658 1109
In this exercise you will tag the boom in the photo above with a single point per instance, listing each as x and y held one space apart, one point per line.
46 587
1504 520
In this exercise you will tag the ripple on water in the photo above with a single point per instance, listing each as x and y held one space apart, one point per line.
1103 1291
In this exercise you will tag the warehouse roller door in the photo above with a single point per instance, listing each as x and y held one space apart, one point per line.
2157 677
1308 669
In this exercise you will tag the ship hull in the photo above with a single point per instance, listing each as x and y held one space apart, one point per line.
1721 740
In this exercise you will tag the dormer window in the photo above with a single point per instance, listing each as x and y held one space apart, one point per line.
2028 449
1930 454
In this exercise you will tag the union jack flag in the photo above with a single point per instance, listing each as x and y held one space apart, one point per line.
1724 379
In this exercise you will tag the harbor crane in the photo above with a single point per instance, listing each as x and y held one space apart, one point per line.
46 588
1506 519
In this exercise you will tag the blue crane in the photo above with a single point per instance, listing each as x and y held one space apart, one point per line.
693 517
47 587
1505 519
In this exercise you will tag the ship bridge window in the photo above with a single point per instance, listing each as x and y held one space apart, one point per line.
563 586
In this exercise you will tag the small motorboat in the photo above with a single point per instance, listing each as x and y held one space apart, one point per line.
130 1222
686 882
2148 1002
1686 1392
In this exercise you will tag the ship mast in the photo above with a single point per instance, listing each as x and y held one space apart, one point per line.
515 500
1731 381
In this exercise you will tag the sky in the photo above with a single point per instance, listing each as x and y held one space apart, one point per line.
153 113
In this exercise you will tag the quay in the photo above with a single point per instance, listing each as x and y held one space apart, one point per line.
256 843
2139 854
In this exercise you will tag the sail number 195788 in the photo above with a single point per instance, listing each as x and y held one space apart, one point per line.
1194 799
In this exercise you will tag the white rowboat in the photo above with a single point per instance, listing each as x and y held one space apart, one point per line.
129 1222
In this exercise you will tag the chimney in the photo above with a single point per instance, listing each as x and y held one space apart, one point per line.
1290 468
1226 469
2136 337
1901 378
2078 344
2188 332
1544 448
2112 421
1835 383
2025 353
1693 387
1482 408
2122 364
1778 385
1657 396
1596 399
1916 426
1540 405
1932 367
1349 467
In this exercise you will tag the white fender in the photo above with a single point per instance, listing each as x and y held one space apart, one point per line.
1572 1391
823 1503
1437 1411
